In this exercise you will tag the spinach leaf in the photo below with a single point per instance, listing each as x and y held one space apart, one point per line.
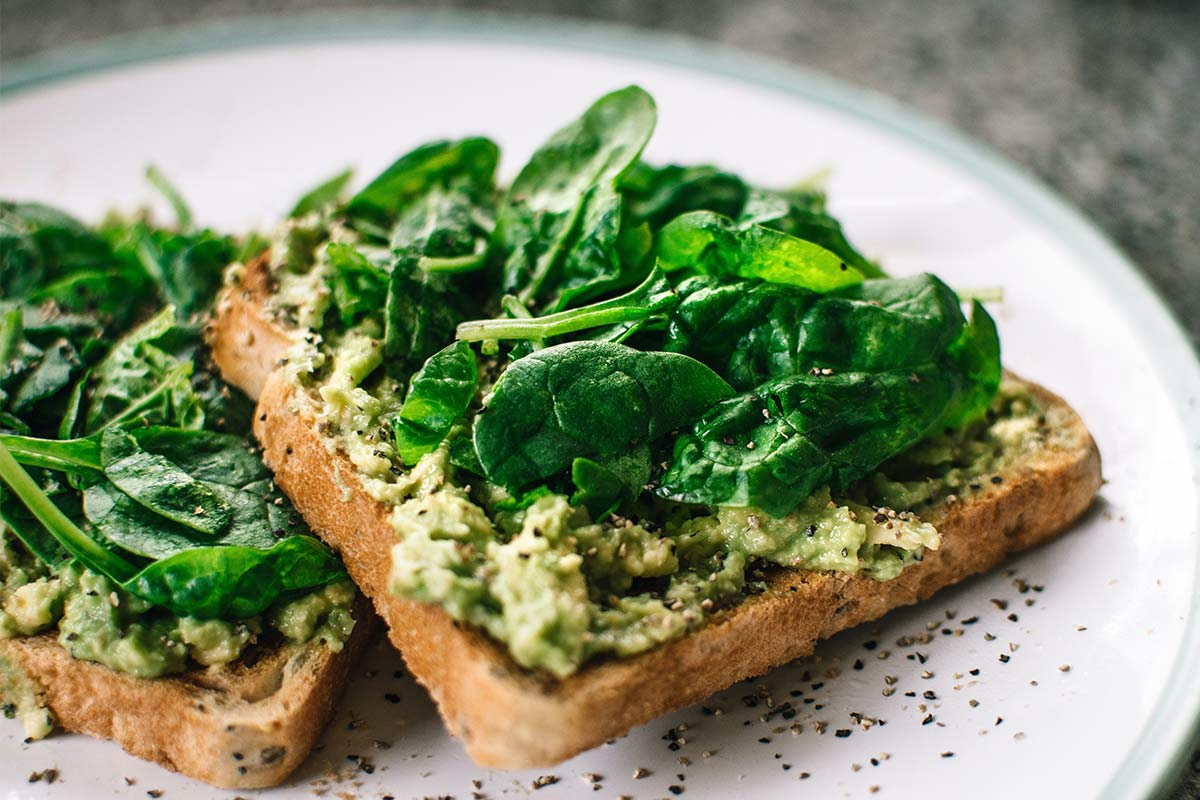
359 287
771 448
977 353
657 195
323 195
141 379
266 555
188 268
558 228
438 396
750 331
159 485
586 399
600 488
448 227
422 311
414 174
801 213
236 582
713 244
39 244
183 213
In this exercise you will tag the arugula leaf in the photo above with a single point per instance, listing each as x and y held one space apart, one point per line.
558 228
713 244
414 174
438 396
323 195
585 399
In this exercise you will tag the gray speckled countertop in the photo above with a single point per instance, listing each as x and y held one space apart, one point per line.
1098 98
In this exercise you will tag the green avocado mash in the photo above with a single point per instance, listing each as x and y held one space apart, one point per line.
98 622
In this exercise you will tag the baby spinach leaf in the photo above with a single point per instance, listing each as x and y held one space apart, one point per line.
324 195
414 174
750 331
586 399
658 195
235 582
558 227
801 213
183 213
421 313
448 227
771 448
438 396
713 244
140 379
159 485
977 353
600 488
359 287
188 268
39 244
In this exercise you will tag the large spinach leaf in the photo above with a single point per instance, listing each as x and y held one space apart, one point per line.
559 227
771 448
750 331
586 399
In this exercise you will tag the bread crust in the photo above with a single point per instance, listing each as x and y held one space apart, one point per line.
245 725
511 718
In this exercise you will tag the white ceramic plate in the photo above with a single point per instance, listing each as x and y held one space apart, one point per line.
254 114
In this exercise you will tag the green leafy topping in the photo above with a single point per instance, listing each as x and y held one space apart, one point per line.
586 399
437 397
560 224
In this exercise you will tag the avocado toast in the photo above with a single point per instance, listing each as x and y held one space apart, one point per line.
610 440
155 587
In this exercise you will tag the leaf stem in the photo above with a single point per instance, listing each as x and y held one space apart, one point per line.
60 526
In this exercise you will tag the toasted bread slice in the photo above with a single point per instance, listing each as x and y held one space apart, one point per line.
512 718
246 725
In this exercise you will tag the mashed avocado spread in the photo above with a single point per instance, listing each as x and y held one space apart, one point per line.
99 622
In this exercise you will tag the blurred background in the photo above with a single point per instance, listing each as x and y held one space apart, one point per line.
1098 98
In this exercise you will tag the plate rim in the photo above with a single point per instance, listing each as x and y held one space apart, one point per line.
1148 769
